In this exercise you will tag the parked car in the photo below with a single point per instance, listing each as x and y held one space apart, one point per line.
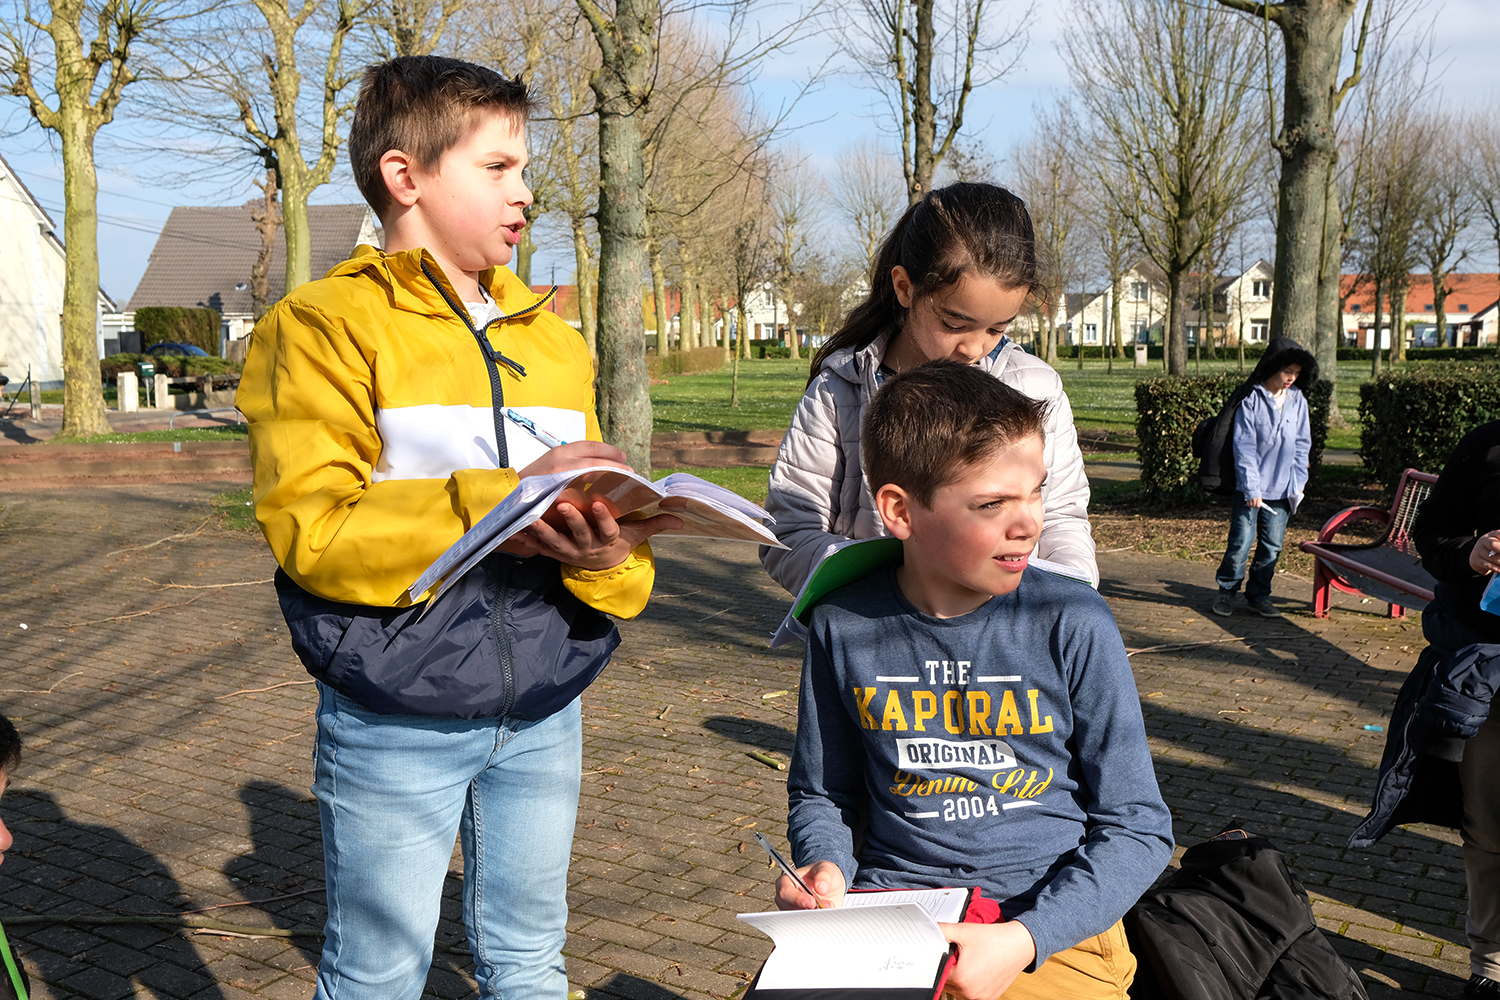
171 347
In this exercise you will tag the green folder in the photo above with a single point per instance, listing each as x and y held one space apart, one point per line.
843 566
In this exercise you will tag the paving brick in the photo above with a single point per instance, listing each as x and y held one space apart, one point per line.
150 783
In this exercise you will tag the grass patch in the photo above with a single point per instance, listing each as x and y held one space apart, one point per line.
749 481
769 391
237 432
234 511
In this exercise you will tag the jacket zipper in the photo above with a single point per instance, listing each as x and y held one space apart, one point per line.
501 598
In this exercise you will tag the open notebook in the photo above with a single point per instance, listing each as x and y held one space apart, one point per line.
877 946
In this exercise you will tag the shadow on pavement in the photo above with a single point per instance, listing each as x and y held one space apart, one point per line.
632 988
62 866
751 733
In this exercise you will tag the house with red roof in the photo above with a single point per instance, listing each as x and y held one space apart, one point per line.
1472 311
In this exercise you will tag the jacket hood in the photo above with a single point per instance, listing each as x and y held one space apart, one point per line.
416 282
1281 352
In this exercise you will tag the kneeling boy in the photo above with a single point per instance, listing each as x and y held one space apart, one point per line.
976 719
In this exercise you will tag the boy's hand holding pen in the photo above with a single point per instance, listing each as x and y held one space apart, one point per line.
819 885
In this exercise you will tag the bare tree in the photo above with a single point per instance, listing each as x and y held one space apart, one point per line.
1484 138
412 27
1312 35
71 70
1443 231
752 261
926 59
1167 84
794 205
1048 178
867 192
628 39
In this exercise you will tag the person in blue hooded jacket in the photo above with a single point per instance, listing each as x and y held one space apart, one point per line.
1272 441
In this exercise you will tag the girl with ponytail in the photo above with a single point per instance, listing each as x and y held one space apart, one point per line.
947 283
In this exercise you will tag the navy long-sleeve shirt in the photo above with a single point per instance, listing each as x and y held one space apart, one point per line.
1003 748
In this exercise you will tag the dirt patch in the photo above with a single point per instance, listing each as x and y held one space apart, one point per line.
1200 530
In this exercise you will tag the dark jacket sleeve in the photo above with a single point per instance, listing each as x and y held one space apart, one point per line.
1446 526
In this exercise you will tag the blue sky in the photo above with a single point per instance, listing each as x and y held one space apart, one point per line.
135 197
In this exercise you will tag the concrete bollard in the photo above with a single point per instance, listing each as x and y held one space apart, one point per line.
163 392
1140 355
127 390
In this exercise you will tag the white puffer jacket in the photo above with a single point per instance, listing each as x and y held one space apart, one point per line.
818 492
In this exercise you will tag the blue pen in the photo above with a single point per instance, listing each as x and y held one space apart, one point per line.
530 427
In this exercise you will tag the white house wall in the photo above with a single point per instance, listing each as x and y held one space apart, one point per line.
31 283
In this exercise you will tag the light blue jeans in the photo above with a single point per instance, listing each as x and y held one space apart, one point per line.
393 792
1247 525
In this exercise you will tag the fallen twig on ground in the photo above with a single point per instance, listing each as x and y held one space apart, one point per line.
133 614
204 586
181 536
273 687
1180 645
38 690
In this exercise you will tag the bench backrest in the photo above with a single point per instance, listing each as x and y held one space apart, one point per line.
1411 491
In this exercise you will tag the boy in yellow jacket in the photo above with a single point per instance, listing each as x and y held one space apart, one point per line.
376 400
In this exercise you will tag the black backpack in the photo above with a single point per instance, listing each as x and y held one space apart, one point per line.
1213 445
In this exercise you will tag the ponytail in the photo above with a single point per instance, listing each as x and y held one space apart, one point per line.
955 230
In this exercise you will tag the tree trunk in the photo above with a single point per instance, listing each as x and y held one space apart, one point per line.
83 398
1398 321
1330 315
1175 328
659 300
1050 347
744 340
791 325
526 249
1375 340
267 219
627 44
584 278
1312 34
1112 326
687 326
1440 309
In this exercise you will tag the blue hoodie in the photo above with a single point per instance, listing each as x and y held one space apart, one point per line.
1271 447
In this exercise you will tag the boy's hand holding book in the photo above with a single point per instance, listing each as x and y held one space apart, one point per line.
566 533
990 957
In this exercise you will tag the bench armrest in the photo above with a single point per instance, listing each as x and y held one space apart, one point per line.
1347 516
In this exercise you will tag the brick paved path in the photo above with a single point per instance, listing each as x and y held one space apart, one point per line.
156 782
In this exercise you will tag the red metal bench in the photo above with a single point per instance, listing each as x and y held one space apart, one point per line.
1388 569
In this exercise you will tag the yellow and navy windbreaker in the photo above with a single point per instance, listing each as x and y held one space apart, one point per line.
373 444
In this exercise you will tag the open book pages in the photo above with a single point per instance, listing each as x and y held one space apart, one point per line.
867 946
854 559
946 906
706 510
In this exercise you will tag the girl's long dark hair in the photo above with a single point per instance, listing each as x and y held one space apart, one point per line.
956 230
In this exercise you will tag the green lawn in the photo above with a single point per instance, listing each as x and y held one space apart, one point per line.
235 432
769 391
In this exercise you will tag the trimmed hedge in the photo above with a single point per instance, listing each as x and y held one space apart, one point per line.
698 359
1412 418
176 324
174 365
1168 408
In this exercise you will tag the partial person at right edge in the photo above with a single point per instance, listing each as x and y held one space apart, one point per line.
947 283
1272 443
1443 748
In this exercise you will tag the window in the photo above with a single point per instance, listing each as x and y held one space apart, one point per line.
1355 307
1138 291
1260 330
1260 289
1463 307
1091 333
1427 307
1138 331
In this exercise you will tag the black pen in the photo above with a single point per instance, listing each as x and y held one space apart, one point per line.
791 872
